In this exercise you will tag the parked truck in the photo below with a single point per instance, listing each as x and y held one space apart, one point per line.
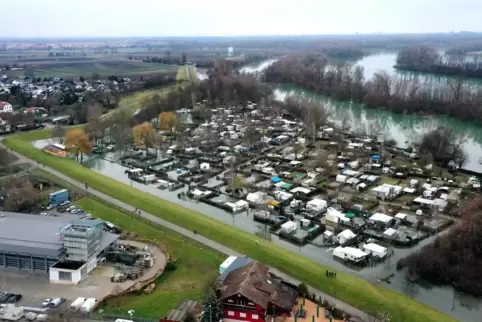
75 306
58 197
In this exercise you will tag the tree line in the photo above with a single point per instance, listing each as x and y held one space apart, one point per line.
400 94
222 88
428 59
454 258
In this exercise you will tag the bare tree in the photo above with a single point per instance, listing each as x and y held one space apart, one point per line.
444 145
58 133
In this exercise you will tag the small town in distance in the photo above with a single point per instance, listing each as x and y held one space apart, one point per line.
288 178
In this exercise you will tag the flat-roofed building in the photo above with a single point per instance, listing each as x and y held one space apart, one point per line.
52 245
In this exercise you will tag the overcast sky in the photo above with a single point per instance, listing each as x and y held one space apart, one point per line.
87 18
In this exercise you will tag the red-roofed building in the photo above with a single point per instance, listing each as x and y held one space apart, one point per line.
6 107
35 109
249 294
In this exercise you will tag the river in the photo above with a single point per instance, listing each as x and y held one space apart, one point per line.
403 128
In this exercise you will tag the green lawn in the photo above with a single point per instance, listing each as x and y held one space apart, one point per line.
351 289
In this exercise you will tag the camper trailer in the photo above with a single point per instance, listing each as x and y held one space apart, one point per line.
350 254
375 250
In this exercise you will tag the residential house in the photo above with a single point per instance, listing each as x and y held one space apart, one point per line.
6 107
249 293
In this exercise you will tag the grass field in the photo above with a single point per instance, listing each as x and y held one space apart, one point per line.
351 289
197 266
104 67
186 73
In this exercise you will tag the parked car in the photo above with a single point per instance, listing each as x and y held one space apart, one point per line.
5 297
66 202
50 207
14 298
55 302
46 302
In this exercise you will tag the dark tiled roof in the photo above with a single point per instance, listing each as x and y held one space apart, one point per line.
251 281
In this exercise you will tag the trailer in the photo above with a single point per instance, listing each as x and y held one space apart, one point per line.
148 178
88 305
10 312
58 197
75 306
350 254
375 250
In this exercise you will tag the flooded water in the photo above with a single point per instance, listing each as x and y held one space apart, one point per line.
462 307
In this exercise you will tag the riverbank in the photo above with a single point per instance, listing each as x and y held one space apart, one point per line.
353 290
455 73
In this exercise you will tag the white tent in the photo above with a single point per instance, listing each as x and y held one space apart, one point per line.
341 178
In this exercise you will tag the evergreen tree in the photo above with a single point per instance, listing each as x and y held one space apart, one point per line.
213 309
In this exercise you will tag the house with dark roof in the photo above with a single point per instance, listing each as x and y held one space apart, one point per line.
248 293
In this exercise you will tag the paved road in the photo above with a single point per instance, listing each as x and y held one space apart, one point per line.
221 248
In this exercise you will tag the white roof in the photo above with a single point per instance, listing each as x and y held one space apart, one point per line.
375 248
347 234
288 225
390 232
350 173
408 190
300 189
355 252
400 216
316 202
380 217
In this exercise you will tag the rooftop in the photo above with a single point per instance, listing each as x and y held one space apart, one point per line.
39 235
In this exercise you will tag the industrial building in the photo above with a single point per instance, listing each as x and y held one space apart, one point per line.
65 248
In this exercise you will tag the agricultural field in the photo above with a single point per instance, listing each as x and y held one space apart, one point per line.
80 67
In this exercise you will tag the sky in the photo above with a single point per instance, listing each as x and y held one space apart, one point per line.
144 18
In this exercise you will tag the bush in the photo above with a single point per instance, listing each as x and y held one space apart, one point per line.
303 290
171 266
